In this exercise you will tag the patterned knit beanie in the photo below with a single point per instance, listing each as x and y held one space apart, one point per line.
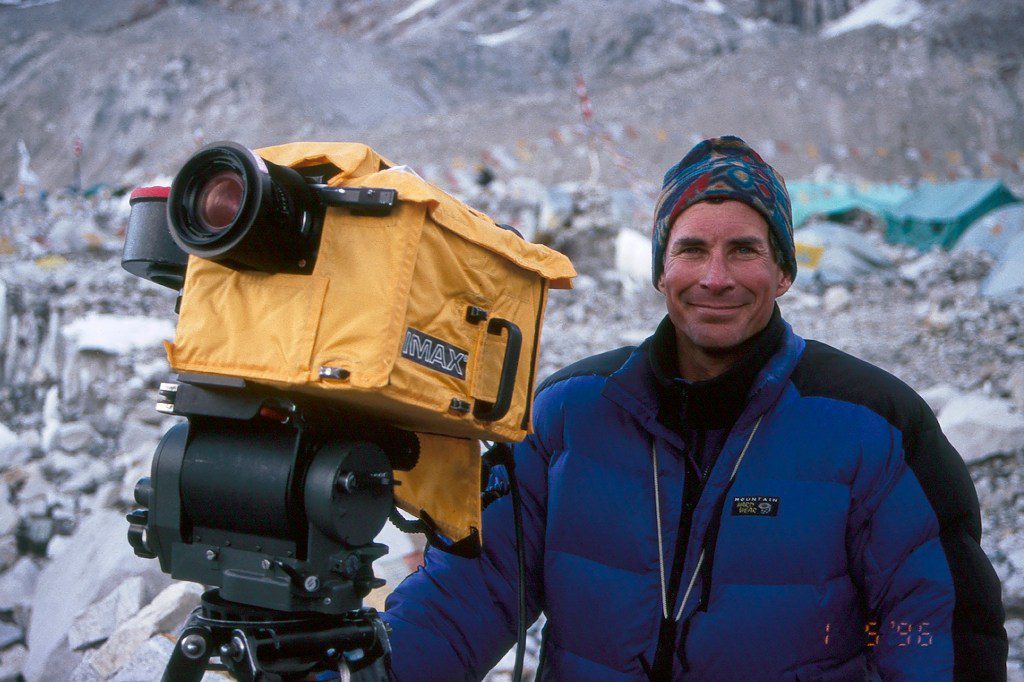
724 168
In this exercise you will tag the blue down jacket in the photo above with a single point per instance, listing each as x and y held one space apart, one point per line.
846 547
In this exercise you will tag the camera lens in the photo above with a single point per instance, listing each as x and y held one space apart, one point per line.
227 204
220 200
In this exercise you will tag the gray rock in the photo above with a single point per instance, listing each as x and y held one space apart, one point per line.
84 672
10 634
11 663
51 417
938 396
166 613
1015 383
8 552
836 299
8 512
13 449
75 437
58 545
978 426
18 585
97 560
58 465
97 622
147 662
88 478
35 485
34 534
137 436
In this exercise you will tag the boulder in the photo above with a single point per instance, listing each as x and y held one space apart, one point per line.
18 585
97 559
11 662
138 436
9 634
147 663
97 622
938 396
8 552
166 613
88 478
8 512
75 437
1016 386
12 449
836 299
978 426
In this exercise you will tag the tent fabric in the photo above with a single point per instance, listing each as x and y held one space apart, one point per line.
382 325
993 232
936 214
833 199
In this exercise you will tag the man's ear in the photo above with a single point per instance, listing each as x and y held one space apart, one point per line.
785 282
661 282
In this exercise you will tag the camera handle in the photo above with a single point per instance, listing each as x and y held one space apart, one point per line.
489 412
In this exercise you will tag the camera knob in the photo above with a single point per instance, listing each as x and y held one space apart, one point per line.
144 491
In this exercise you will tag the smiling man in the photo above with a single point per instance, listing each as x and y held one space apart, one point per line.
726 501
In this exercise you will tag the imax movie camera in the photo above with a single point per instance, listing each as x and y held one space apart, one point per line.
347 334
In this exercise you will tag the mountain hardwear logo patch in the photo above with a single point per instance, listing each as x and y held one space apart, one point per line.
434 353
755 505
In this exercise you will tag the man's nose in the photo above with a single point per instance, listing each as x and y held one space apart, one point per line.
717 276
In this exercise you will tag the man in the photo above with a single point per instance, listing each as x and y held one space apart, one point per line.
726 501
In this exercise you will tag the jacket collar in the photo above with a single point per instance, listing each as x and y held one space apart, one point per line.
713 403
635 386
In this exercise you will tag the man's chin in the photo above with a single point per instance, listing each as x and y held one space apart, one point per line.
719 344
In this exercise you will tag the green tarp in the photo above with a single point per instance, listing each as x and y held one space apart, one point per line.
936 214
834 199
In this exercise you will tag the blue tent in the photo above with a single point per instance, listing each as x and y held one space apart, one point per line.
993 232
1007 277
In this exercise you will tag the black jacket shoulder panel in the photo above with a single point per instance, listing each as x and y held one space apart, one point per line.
603 364
979 640
830 373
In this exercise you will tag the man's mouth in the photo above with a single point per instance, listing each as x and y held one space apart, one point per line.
717 306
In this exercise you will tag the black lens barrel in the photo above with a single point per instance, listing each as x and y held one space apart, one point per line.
276 228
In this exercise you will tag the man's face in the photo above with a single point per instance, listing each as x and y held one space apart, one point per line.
720 281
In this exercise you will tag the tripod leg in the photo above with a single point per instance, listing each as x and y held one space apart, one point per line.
190 656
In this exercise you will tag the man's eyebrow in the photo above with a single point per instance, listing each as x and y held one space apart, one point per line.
685 242
747 241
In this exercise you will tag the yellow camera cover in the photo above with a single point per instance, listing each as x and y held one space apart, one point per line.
409 317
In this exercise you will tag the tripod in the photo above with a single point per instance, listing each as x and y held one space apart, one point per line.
261 645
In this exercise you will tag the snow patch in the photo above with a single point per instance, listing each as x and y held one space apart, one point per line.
493 39
118 334
414 9
712 7
891 13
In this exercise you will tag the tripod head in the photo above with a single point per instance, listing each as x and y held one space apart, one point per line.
274 501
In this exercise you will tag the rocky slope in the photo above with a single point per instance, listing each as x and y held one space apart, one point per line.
428 82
